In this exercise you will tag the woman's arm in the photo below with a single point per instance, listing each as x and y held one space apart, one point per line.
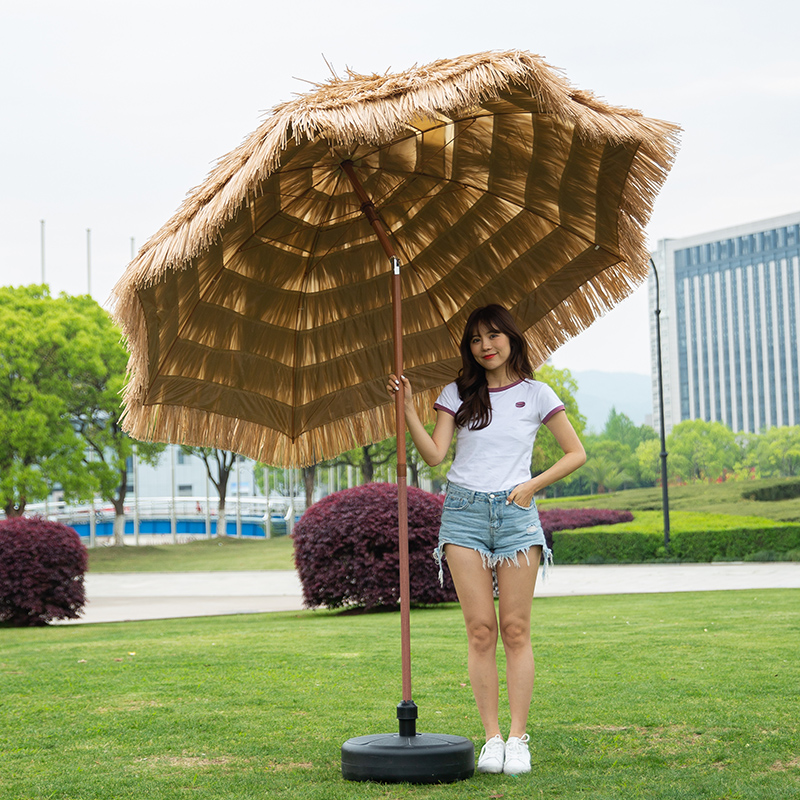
574 457
432 447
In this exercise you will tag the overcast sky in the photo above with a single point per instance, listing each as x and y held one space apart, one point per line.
112 111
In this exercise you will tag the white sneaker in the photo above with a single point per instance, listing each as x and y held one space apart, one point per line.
491 757
518 757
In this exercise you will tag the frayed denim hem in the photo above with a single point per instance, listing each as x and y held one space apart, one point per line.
491 560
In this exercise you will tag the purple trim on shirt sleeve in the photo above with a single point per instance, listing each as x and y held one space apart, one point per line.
440 407
554 411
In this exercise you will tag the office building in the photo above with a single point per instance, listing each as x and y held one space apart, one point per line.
730 302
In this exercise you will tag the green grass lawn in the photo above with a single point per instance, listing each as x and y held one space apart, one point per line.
647 696
203 555
685 521
713 498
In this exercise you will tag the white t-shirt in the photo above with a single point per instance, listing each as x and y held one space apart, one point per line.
498 457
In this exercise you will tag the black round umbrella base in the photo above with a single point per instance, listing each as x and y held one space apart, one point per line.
422 758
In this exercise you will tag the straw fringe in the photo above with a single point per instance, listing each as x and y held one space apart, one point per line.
375 109
206 429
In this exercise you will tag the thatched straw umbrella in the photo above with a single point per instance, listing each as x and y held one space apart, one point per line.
260 317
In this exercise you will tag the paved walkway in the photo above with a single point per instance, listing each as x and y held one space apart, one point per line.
160 595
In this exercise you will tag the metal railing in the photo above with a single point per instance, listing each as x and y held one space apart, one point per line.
159 520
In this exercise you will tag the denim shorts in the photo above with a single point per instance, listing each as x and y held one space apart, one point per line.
487 522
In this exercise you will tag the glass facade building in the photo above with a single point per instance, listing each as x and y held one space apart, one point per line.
730 302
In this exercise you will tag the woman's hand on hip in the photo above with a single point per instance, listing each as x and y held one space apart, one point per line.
522 494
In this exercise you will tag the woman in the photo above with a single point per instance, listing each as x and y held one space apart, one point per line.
489 520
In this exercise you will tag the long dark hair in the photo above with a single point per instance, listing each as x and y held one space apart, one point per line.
476 407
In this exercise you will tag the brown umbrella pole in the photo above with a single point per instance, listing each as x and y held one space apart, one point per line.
409 756
368 209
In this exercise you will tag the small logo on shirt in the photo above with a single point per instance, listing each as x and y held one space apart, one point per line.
520 404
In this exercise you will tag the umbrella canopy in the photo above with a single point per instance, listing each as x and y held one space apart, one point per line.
259 318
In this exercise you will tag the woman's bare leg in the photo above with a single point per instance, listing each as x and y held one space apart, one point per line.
475 594
516 585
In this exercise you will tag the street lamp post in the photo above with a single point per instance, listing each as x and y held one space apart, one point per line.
663 454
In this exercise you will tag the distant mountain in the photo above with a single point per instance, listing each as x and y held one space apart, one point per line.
599 392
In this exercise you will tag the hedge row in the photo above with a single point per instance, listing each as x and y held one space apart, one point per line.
785 490
599 547
563 519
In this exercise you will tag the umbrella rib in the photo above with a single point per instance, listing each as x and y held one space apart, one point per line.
469 121
412 134
409 261
450 183
288 205
518 206
301 306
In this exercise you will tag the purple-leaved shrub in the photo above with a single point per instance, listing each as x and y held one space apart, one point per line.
346 549
42 565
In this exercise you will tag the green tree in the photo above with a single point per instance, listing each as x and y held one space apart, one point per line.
279 479
621 428
219 465
700 450
610 465
97 372
546 450
619 442
776 452
648 457
39 448
368 457
309 482
605 474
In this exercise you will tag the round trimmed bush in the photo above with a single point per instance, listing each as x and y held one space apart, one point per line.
42 564
346 549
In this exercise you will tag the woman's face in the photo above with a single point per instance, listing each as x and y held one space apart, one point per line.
490 348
